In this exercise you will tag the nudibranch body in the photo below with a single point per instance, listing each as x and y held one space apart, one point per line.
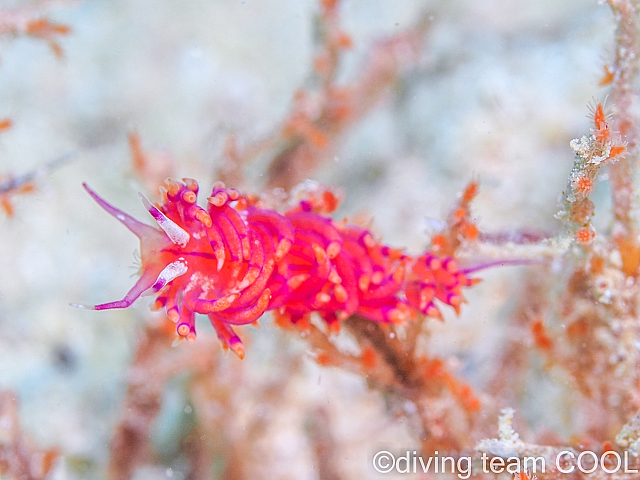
236 259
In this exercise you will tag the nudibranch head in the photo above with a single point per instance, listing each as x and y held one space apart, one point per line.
153 243
204 261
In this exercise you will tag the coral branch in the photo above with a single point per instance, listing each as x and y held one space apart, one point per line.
592 152
19 458
11 185
624 72
30 21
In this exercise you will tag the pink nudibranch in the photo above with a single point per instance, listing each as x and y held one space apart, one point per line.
235 260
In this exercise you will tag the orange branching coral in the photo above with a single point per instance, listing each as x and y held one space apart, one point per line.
30 21
237 259
8 186
320 115
592 151
18 456
319 119
151 167
460 225
26 21
434 370
540 335
11 185
5 124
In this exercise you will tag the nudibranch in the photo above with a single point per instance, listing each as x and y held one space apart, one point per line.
237 259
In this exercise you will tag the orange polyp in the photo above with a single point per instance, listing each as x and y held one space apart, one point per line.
616 150
324 359
330 201
438 242
601 127
321 63
5 124
465 395
585 235
28 187
541 339
6 205
470 231
630 255
459 214
183 330
607 78
343 40
599 118
584 185
470 192
44 28
369 358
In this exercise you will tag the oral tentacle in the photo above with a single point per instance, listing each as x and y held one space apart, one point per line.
144 283
139 229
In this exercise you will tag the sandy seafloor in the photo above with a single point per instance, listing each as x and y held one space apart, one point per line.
500 90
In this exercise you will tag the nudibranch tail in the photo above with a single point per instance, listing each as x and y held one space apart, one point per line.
237 259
